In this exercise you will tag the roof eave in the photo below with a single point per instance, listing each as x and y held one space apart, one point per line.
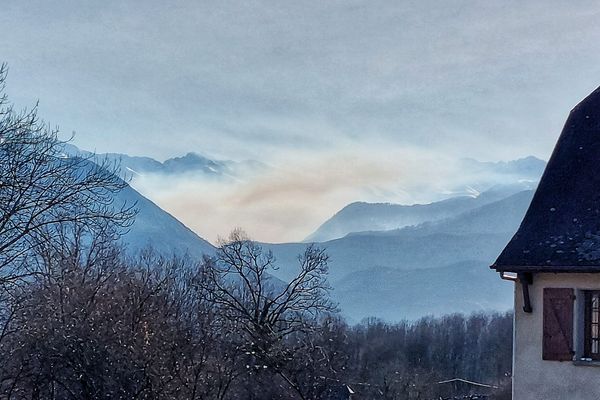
547 268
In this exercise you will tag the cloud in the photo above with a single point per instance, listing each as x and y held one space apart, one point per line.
251 79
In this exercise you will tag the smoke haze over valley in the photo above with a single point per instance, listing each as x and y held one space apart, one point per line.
283 204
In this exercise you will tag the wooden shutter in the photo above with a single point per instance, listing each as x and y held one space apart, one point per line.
558 324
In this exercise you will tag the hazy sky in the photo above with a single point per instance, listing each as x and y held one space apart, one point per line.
353 87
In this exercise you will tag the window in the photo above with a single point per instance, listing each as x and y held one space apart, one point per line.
591 334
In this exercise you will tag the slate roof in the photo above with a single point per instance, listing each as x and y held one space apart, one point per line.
561 229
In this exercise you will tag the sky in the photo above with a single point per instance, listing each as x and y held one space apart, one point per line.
346 100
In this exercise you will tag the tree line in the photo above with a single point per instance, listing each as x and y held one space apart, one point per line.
80 318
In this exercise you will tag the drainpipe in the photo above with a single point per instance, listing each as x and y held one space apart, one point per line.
526 279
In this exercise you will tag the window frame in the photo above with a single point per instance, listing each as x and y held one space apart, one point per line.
591 319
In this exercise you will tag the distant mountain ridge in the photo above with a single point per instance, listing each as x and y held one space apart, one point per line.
441 265
524 168
475 234
191 163
360 216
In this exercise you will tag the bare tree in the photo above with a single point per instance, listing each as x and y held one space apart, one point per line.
95 325
46 201
41 188
267 312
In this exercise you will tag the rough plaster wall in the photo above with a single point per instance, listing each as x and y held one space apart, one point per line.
534 378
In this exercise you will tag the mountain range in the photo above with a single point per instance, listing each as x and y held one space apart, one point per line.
386 260
188 164
360 216
486 182
433 268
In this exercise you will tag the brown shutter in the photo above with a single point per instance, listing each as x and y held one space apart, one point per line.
558 324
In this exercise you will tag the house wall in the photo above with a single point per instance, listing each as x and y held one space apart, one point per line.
537 379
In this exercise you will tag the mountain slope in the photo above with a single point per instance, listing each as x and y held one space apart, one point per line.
464 287
502 216
357 217
155 228
433 268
